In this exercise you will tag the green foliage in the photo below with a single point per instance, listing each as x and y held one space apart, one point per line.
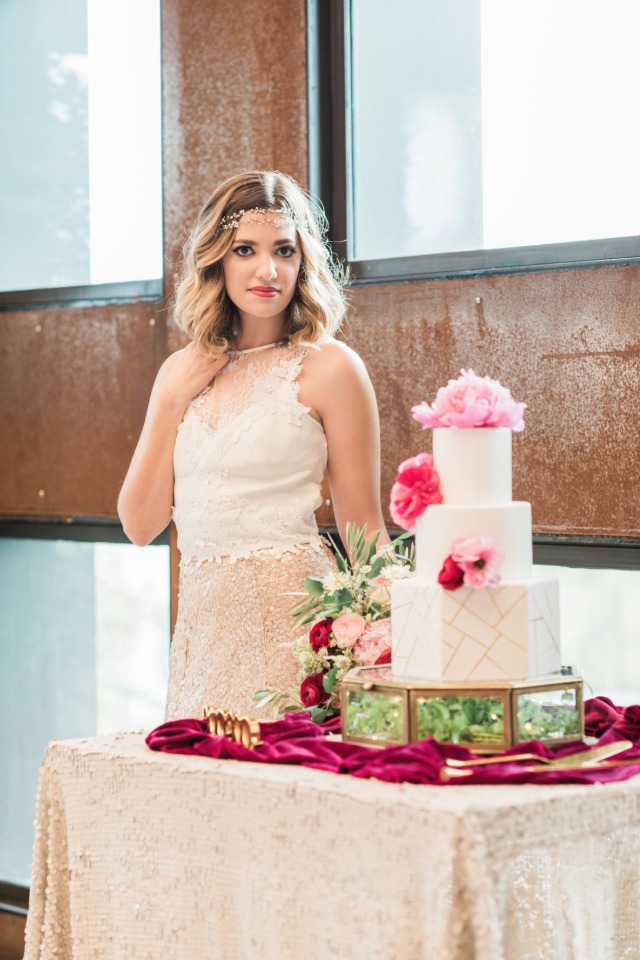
539 720
329 680
348 589
358 568
461 719
376 715
480 719
313 586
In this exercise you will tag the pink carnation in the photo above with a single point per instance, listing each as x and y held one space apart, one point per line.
374 640
471 401
417 486
347 628
479 560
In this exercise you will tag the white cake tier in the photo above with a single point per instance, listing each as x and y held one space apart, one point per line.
509 526
474 465
511 631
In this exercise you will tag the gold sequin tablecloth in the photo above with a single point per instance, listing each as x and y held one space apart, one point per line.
158 856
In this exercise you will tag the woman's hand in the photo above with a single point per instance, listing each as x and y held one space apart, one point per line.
184 375
146 498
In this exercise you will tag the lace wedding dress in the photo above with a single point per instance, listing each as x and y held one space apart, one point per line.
248 463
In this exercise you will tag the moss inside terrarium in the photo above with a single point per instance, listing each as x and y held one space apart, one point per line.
461 719
377 716
548 715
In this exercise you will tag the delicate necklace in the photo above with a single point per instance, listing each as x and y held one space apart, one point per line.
241 353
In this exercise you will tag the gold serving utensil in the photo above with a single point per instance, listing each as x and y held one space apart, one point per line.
580 759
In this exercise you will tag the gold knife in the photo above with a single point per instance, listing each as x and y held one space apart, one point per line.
582 758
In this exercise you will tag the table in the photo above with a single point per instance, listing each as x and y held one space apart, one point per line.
159 856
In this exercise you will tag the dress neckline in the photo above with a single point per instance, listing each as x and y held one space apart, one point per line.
242 353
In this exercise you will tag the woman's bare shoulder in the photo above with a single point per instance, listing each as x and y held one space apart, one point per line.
333 357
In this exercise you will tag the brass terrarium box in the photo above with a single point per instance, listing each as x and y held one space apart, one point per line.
487 716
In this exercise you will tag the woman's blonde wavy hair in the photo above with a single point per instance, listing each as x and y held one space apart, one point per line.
203 310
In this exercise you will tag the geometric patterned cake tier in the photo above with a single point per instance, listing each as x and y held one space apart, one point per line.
507 632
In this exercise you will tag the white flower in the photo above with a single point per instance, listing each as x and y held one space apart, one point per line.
398 571
342 663
333 581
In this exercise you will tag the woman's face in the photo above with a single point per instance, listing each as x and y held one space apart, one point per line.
261 268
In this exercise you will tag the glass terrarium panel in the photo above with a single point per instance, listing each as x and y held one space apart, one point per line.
461 719
548 714
376 715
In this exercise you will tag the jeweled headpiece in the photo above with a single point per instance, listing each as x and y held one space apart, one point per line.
261 216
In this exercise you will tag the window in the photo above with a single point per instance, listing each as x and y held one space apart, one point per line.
481 135
84 650
599 613
80 168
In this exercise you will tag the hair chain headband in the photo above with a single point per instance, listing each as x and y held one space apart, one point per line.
261 217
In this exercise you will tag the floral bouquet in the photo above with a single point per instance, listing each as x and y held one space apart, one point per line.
349 613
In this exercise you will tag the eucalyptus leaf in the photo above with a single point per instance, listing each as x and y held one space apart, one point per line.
329 680
314 586
376 567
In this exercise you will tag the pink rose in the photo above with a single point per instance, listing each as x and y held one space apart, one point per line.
347 628
312 690
381 591
451 576
373 641
479 559
471 401
417 486
320 633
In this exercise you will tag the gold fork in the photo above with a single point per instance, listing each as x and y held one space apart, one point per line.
578 759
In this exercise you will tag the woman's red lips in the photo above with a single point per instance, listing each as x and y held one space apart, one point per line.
264 291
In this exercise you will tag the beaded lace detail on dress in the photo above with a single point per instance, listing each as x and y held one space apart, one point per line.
248 462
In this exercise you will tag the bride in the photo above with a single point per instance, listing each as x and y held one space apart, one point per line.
240 427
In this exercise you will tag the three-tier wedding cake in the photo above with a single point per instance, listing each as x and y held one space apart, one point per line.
473 611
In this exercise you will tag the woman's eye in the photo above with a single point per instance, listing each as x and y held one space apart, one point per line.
286 251
242 250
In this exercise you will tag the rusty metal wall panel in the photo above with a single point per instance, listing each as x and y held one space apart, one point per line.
73 393
234 98
566 343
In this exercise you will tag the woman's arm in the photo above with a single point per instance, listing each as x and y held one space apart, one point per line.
338 387
146 498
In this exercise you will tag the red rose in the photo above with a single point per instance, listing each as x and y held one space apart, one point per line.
451 575
312 690
385 657
319 634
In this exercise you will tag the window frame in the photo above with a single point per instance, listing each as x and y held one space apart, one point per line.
331 175
88 295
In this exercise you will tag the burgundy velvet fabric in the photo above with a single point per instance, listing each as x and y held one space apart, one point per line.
296 739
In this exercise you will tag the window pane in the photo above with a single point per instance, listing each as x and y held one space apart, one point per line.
599 617
84 649
483 124
80 165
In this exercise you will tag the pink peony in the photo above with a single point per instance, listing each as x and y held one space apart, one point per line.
373 641
417 486
347 628
471 401
479 559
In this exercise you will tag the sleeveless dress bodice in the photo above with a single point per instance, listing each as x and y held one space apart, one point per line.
248 462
